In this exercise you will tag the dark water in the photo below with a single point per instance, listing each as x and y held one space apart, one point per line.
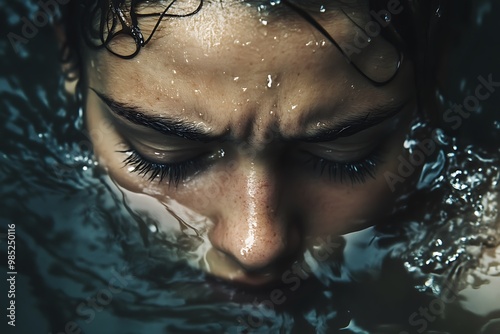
87 260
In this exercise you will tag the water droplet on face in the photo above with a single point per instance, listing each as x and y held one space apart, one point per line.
269 81
294 106
236 78
220 153
263 22
322 9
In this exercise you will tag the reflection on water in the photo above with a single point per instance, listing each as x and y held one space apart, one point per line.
91 257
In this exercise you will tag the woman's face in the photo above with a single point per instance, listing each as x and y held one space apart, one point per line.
254 129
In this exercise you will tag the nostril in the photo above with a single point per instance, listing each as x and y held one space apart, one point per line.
272 268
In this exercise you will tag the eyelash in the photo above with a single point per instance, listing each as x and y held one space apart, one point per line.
356 172
175 172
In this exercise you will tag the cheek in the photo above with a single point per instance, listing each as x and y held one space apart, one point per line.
338 208
341 209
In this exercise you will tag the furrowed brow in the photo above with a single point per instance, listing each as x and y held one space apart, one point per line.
165 125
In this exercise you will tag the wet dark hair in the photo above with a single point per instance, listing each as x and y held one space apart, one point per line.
414 32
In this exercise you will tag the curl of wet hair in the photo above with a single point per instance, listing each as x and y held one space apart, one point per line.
118 18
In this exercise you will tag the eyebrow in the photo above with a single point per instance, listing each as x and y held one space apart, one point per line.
179 128
353 125
165 125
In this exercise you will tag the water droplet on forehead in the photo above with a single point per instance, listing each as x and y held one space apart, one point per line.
269 81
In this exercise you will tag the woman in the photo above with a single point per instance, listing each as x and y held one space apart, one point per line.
265 129
248 116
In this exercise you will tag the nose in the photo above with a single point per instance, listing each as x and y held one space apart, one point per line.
253 228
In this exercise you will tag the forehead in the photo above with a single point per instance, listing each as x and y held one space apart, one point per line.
232 56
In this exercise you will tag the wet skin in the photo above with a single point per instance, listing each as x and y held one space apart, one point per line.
244 112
